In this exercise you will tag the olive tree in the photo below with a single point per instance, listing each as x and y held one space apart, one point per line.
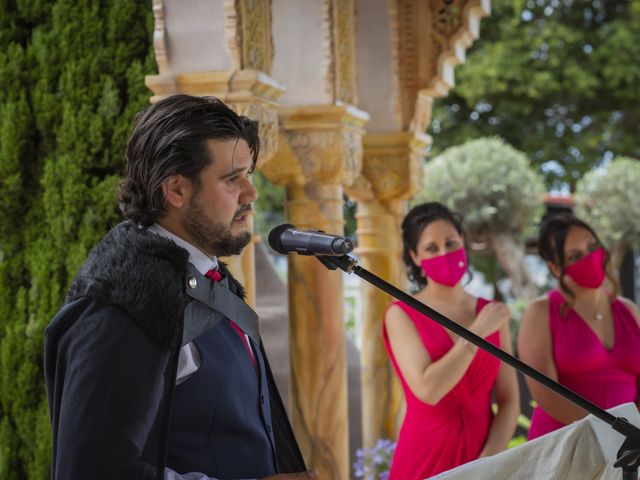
500 196
607 198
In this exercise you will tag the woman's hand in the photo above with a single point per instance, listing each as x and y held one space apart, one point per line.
490 319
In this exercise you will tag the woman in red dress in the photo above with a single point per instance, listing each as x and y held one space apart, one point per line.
581 334
448 383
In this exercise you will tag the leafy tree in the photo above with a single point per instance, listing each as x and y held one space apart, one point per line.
71 80
557 79
608 200
498 193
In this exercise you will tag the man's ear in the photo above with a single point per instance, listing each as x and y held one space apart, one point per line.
177 191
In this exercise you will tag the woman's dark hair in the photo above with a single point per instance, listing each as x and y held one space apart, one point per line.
170 138
551 240
412 227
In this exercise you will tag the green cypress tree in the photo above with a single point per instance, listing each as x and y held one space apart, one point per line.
71 79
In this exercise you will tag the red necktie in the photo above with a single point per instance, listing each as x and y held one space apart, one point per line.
216 276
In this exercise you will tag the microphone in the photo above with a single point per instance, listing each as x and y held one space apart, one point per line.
285 239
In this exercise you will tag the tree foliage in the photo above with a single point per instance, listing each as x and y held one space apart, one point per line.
71 80
490 183
557 79
608 200
499 195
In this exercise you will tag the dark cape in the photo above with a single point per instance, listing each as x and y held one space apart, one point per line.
111 356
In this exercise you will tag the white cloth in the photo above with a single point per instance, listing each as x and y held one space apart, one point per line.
584 450
197 257
171 475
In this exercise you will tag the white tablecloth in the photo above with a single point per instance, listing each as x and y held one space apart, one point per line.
584 450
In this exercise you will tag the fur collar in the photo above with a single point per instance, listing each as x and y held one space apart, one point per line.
144 274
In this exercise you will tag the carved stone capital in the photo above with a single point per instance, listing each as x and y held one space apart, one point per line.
283 168
327 141
391 167
248 92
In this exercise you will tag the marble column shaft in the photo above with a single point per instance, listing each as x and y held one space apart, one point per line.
391 173
318 355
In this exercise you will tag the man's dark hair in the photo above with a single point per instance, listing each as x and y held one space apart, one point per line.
412 227
170 138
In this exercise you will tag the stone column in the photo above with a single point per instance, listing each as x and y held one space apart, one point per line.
326 144
391 173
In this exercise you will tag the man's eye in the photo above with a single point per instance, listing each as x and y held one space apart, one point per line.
232 179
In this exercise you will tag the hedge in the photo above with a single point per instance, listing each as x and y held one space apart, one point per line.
71 80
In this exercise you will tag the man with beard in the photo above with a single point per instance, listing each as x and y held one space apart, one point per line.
154 364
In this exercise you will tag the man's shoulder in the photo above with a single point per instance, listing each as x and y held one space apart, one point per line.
140 273
85 314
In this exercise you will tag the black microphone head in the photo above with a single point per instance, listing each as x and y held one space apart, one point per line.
275 241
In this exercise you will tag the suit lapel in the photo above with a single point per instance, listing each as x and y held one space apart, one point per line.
213 302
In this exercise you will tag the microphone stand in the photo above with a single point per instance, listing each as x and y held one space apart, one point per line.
629 453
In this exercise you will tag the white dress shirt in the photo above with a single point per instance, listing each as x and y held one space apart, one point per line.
189 359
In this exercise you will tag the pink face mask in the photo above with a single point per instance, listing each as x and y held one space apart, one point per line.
446 269
588 272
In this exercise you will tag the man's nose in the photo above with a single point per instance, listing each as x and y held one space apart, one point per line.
250 194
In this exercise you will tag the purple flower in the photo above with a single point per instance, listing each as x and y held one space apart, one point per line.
374 463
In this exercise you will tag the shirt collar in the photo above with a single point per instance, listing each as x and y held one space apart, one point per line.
198 258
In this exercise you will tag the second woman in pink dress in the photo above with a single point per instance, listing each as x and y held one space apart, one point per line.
448 383
582 335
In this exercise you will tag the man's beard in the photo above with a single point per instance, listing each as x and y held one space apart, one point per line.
212 237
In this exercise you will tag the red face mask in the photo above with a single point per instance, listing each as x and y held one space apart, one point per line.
588 272
446 269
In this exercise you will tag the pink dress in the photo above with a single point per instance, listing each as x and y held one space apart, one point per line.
435 438
605 377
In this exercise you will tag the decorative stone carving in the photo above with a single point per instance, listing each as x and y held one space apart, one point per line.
328 156
327 140
257 43
391 166
283 168
267 127
159 38
319 154
233 33
429 39
338 25
249 92
344 51
248 34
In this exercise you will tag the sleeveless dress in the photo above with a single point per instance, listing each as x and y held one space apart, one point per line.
605 377
439 437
